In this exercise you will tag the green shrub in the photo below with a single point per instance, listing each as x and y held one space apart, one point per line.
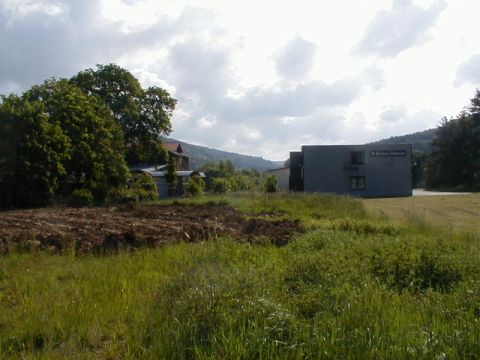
195 186
271 184
81 197
220 185
403 267
358 226
144 187
305 270
121 195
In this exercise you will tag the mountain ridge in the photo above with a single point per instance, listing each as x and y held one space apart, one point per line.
200 155
420 140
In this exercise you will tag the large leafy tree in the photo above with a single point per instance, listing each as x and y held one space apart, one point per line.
144 114
455 157
96 148
33 152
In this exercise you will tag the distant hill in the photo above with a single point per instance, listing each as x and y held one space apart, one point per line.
420 140
199 155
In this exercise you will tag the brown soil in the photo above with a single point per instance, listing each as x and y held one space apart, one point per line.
99 230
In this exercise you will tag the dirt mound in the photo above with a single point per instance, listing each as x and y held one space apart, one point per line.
99 230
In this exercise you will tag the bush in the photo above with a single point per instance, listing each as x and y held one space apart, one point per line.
220 185
406 268
271 184
81 197
358 226
195 186
121 195
143 186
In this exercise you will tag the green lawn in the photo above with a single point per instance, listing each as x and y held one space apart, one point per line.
349 286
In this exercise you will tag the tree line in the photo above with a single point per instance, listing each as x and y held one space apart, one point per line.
454 160
82 132
222 177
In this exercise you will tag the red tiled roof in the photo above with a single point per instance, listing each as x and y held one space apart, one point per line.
172 146
175 148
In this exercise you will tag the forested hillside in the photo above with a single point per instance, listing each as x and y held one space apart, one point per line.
200 155
420 140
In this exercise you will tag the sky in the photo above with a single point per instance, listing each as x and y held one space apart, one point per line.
262 77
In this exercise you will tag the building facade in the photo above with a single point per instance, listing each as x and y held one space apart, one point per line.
377 170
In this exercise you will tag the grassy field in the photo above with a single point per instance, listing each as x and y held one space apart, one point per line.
349 286
453 212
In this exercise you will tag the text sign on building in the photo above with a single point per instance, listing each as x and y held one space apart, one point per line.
387 153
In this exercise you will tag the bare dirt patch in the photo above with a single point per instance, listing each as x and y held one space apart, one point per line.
98 230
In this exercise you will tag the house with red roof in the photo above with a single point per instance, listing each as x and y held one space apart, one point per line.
176 151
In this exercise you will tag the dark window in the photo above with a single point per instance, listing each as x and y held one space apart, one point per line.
357 157
357 182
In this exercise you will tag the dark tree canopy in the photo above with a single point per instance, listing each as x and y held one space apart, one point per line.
56 138
64 135
96 151
455 158
33 152
144 114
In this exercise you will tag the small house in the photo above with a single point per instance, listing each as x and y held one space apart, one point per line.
158 174
176 151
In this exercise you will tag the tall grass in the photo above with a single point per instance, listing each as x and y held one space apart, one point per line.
348 287
291 205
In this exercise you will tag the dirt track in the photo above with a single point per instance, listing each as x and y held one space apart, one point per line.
101 230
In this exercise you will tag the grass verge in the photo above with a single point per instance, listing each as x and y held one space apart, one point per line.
349 286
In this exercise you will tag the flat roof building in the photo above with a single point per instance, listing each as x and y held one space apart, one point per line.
380 170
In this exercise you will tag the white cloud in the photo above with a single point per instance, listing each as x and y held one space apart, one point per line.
250 79
37 43
200 67
394 114
295 60
399 28
469 71
400 119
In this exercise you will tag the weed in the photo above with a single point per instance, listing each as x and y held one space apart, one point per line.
349 286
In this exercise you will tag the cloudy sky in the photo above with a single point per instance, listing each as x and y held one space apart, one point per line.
262 77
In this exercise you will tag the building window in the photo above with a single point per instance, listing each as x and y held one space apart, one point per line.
357 182
357 157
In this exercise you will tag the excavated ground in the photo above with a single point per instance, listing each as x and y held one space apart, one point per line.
100 230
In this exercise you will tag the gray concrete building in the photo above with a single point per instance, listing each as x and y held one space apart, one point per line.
377 170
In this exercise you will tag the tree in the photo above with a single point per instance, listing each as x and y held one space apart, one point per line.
223 177
455 157
33 153
226 169
171 175
220 185
144 115
96 149
271 184
195 185
418 164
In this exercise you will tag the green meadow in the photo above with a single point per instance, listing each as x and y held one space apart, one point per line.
351 285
